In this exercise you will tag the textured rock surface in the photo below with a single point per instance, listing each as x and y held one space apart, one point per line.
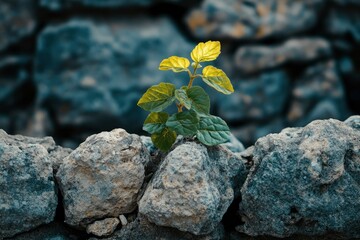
234 145
250 59
257 98
252 19
193 188
89 72
317 94
141 229
27 188
103 228
102 177
17 21
304 181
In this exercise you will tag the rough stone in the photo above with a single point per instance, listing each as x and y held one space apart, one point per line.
17 21
27 188
103 228
253 19
193 188
317 94
123 220
304 181
89 72
353 121
102 177
256 98
234 144
251 59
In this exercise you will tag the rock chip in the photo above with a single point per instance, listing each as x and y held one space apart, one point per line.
251 59
317 94
304 181
27 187
102 177
93 71
17 21
193 188
103 228
256 98
252 19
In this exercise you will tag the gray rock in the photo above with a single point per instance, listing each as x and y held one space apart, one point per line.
234 144
102 177
251 59
353 121
317 94
193 188
27 188
103 228
17 21
257 98
141 229
343 22
64 4
253 19
90 72
304 181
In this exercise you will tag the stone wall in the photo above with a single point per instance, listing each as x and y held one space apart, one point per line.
73 68
302 183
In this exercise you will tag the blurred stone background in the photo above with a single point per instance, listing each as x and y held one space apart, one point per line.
71 68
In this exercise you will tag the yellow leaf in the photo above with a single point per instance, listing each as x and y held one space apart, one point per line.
217 79
174 63
204 52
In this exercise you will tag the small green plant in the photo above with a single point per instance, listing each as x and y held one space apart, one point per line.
196 120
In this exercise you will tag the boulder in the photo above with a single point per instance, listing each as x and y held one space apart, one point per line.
253 19
252 59
193 188
102 177
256 98
27 187
103 228
17 21
318 93
88 72
304 181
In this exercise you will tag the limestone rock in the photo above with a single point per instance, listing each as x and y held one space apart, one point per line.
304 181
27 189
103 228
102 177
193 188
251 59
252 19
17 21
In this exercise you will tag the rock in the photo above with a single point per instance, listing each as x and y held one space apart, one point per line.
64 4
27 188
251 59
257 98
103 228
193 188
253 19
317 94
141 229
354 122
304 181
343 22
17 21
95 72
123 220
234 145
102 177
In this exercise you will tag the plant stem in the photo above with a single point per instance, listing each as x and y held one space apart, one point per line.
192 77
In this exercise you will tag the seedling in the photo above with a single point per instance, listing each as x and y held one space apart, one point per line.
193 117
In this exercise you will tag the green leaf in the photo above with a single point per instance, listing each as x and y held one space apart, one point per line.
184 123
204 52
217 79
200 100
155 122
212 130
157 97
175 63
164 140
182 97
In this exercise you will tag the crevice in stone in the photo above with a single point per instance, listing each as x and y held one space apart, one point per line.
232 218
